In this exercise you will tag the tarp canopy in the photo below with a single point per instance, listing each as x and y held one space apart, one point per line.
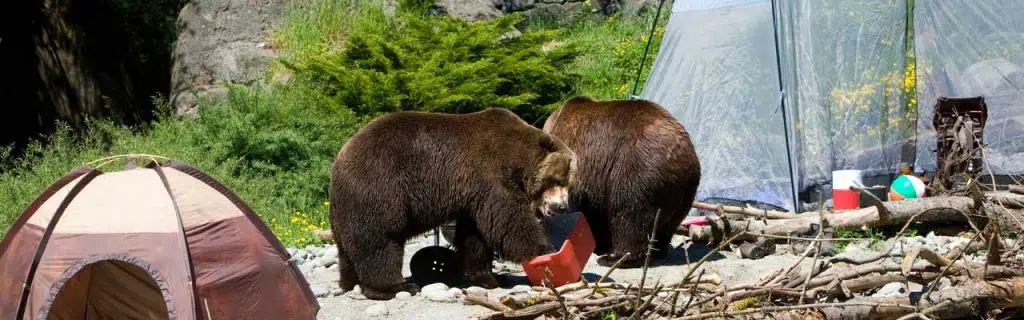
157 242
850 96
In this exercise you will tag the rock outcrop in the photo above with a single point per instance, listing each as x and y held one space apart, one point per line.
220 41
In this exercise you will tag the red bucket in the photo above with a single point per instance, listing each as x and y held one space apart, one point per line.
566 265
845 199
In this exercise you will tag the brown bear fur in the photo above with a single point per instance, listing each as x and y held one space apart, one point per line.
407 172
633 158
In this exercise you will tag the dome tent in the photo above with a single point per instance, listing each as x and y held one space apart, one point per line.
162 241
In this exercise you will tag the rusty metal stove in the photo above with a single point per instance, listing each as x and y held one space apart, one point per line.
959 127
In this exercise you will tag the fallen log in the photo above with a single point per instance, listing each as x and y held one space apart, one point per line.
752 212
1008 199
1016 188
935 210
972 298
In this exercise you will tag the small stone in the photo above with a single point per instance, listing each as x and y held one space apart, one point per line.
336 292
292 251
324 261
663 294
435 287
377 310
403 295
439 296
301 254
889 290
306 269
477 290
942 242
331 253
319 291
333 267
522 288
456 293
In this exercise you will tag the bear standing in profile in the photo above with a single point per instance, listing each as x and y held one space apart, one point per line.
407 172
634 159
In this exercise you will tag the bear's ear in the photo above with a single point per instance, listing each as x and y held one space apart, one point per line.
548 143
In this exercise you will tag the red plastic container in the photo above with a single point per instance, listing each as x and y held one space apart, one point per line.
843 199
566 265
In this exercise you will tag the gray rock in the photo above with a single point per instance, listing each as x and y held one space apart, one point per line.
319 291
456 293
402 295
336 292
377 310
440 296
306 269
301 254
292 251
522 288
477 290
326 262
435 287
220 40
890 290
330 252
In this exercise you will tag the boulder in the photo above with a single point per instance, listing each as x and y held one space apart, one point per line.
220 41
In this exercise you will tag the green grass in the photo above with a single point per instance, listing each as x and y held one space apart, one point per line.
876 237
273 144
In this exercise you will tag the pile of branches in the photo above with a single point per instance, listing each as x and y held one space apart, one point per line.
814 287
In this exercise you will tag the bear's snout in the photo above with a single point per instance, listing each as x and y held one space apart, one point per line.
556 201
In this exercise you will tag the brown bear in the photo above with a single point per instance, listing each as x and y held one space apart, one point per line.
407 172
634 159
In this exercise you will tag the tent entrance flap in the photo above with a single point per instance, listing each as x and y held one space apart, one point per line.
107 289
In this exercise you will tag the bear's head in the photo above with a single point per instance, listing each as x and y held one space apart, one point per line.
555 176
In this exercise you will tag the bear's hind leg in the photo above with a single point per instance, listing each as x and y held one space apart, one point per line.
666 229
380 273
629 234
475 256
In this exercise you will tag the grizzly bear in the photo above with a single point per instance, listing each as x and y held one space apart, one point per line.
404 173
634 159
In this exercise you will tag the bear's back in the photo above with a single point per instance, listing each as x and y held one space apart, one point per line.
441 141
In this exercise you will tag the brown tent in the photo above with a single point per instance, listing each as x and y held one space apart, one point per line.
156 242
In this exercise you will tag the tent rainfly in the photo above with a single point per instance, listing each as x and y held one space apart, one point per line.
163 241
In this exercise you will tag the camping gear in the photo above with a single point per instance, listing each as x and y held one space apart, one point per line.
843 196
436 263
718 68
906 187
881 192
570 235
158 241
960 129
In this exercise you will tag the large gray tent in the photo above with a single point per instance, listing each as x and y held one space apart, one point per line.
778 94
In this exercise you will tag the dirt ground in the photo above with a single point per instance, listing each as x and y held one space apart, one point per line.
728 265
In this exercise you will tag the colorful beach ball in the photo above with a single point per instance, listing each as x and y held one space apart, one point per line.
906 187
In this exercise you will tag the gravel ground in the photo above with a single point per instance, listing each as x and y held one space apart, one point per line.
437 301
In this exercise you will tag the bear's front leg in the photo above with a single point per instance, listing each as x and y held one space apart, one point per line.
508 223
475 256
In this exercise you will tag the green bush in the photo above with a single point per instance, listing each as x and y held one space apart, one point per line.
273 146
442 64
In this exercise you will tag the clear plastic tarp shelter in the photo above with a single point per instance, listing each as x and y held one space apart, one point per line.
778 94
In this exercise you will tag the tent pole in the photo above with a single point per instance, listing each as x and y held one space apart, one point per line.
643 60
782 105
47 233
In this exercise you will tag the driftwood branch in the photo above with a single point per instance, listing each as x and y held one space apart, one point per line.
935 210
